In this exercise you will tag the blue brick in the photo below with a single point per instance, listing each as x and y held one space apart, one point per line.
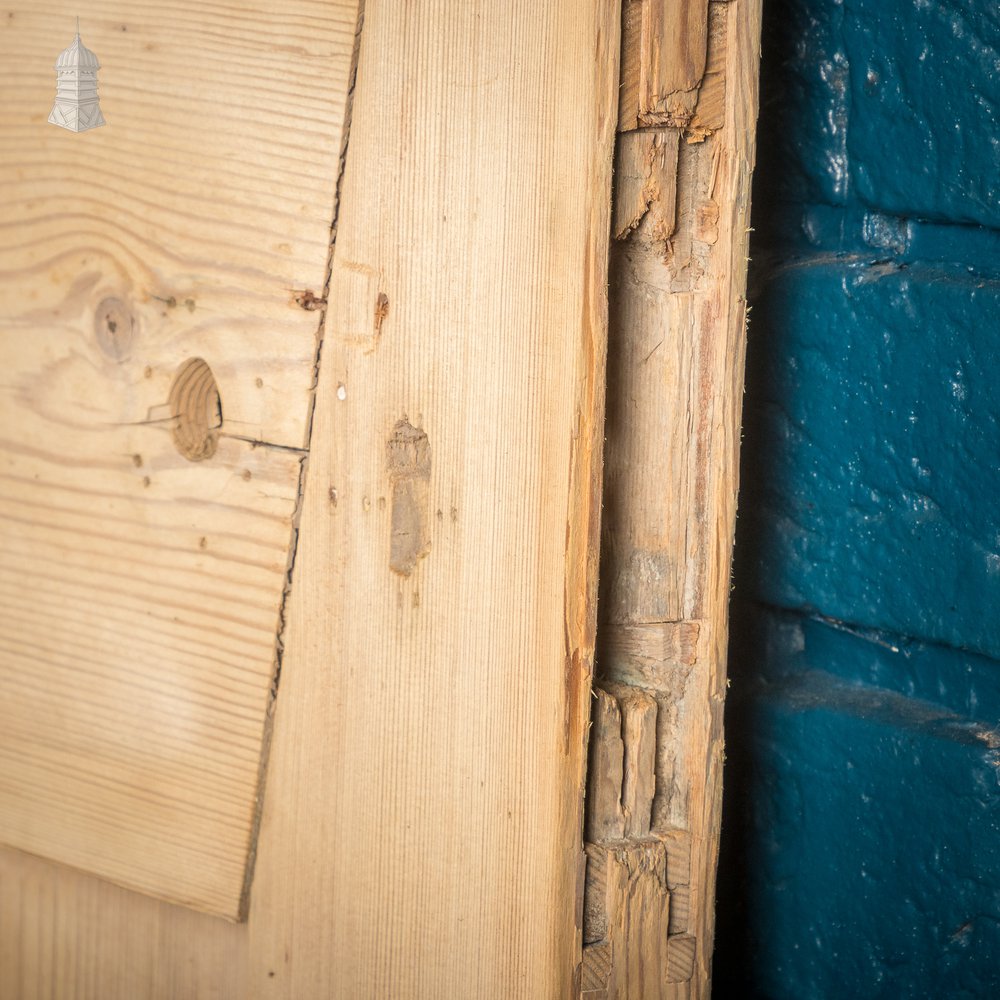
963 685
923 134
860 850
895 106
865 830
805 75
876 435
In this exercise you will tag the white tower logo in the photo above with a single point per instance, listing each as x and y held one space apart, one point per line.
76 106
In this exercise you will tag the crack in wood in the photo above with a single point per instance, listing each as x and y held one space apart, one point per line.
279 645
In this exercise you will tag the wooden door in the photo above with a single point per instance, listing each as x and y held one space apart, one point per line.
299 483
300 476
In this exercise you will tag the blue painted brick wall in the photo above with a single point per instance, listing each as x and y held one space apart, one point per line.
872 838
861 849
875 401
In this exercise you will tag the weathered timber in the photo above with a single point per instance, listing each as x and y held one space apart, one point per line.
663 61
687 113
635 945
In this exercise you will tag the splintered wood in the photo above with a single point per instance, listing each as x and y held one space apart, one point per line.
687 111
635 919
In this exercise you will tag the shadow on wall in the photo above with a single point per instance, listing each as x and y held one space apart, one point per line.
861 825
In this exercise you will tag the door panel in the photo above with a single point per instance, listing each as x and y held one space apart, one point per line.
157 389
421 821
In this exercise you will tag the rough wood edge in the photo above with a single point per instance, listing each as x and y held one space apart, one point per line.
641 654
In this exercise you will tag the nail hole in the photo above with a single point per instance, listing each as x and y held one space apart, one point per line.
197 410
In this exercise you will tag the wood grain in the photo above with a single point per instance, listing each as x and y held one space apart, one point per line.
725 354
421 831
143 574
676 343
663 61
422 827
69 936
631 885
638 736
710 111
605 818
646 181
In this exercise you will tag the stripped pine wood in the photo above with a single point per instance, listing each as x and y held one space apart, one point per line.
676 343
422 825
422 814
634 943
663 62
65 935
155 402
457 420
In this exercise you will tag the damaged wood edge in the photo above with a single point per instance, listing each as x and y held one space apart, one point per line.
679 223
635 928
623 760
645 176
710 110
586 459
320 304
672 60
671 64
741 109
648 152
604 819
645 654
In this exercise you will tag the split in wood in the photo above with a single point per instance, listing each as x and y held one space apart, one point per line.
673 56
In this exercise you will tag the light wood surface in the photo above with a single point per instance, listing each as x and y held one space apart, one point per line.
144 521
421 832
421 824
421 827
69 936
675 377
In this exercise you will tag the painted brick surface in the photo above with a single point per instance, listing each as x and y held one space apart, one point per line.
870 832
923 136
869 404
861 848
895 102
